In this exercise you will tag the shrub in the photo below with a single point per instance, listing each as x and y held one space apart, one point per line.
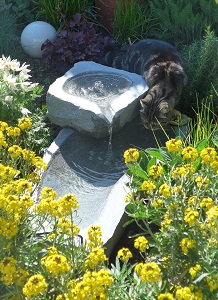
182 22
201 65
78 41
9 35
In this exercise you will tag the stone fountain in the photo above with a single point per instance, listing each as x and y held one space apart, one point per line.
98 108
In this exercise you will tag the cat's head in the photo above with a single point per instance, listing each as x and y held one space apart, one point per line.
167 81
157 109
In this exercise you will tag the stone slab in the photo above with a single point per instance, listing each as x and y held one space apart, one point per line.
82 111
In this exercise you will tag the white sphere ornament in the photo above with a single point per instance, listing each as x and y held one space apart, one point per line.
34 35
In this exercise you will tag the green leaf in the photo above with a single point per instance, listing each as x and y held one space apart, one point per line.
201 145
215 138
202 276
155 153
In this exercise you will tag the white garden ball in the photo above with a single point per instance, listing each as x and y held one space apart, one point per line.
34 35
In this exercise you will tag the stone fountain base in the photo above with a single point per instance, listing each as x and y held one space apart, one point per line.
93 169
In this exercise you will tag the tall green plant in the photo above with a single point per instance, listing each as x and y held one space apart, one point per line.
203 126
131 20
202 68
180 22
58 12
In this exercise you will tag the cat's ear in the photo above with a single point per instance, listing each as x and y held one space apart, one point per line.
146 100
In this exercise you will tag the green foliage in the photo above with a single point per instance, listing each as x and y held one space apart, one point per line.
181 22
130 20
25 10
41 135
201 65
58 13
9 35
204 126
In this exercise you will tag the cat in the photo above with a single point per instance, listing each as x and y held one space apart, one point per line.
162 68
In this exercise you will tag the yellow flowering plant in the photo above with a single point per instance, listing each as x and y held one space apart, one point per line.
173 198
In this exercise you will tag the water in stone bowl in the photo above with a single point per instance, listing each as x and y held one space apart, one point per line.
99 87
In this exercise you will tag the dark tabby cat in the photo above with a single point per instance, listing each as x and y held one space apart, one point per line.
162 68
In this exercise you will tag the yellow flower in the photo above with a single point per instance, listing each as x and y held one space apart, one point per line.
55 264
35 285
141 243
94 236
157 203
48 192
187 244
8 269
131 196
124 254
67 226
189 153
23 185
206 203
212 282
148 272
208 155
24 123
62 297
164 190
3 126
13 131
202 181
193 200
166 296
155 171
8 229
148 186
191 216
68 203
38 162
166 222
182 171
131 155
174 145
184 293
177 189
3 143
194 270
96 256
212 215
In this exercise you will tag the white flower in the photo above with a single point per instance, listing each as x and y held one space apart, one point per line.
25 111
10 80
8 99
15 65
5 63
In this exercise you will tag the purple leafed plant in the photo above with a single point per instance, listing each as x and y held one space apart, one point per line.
78 41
